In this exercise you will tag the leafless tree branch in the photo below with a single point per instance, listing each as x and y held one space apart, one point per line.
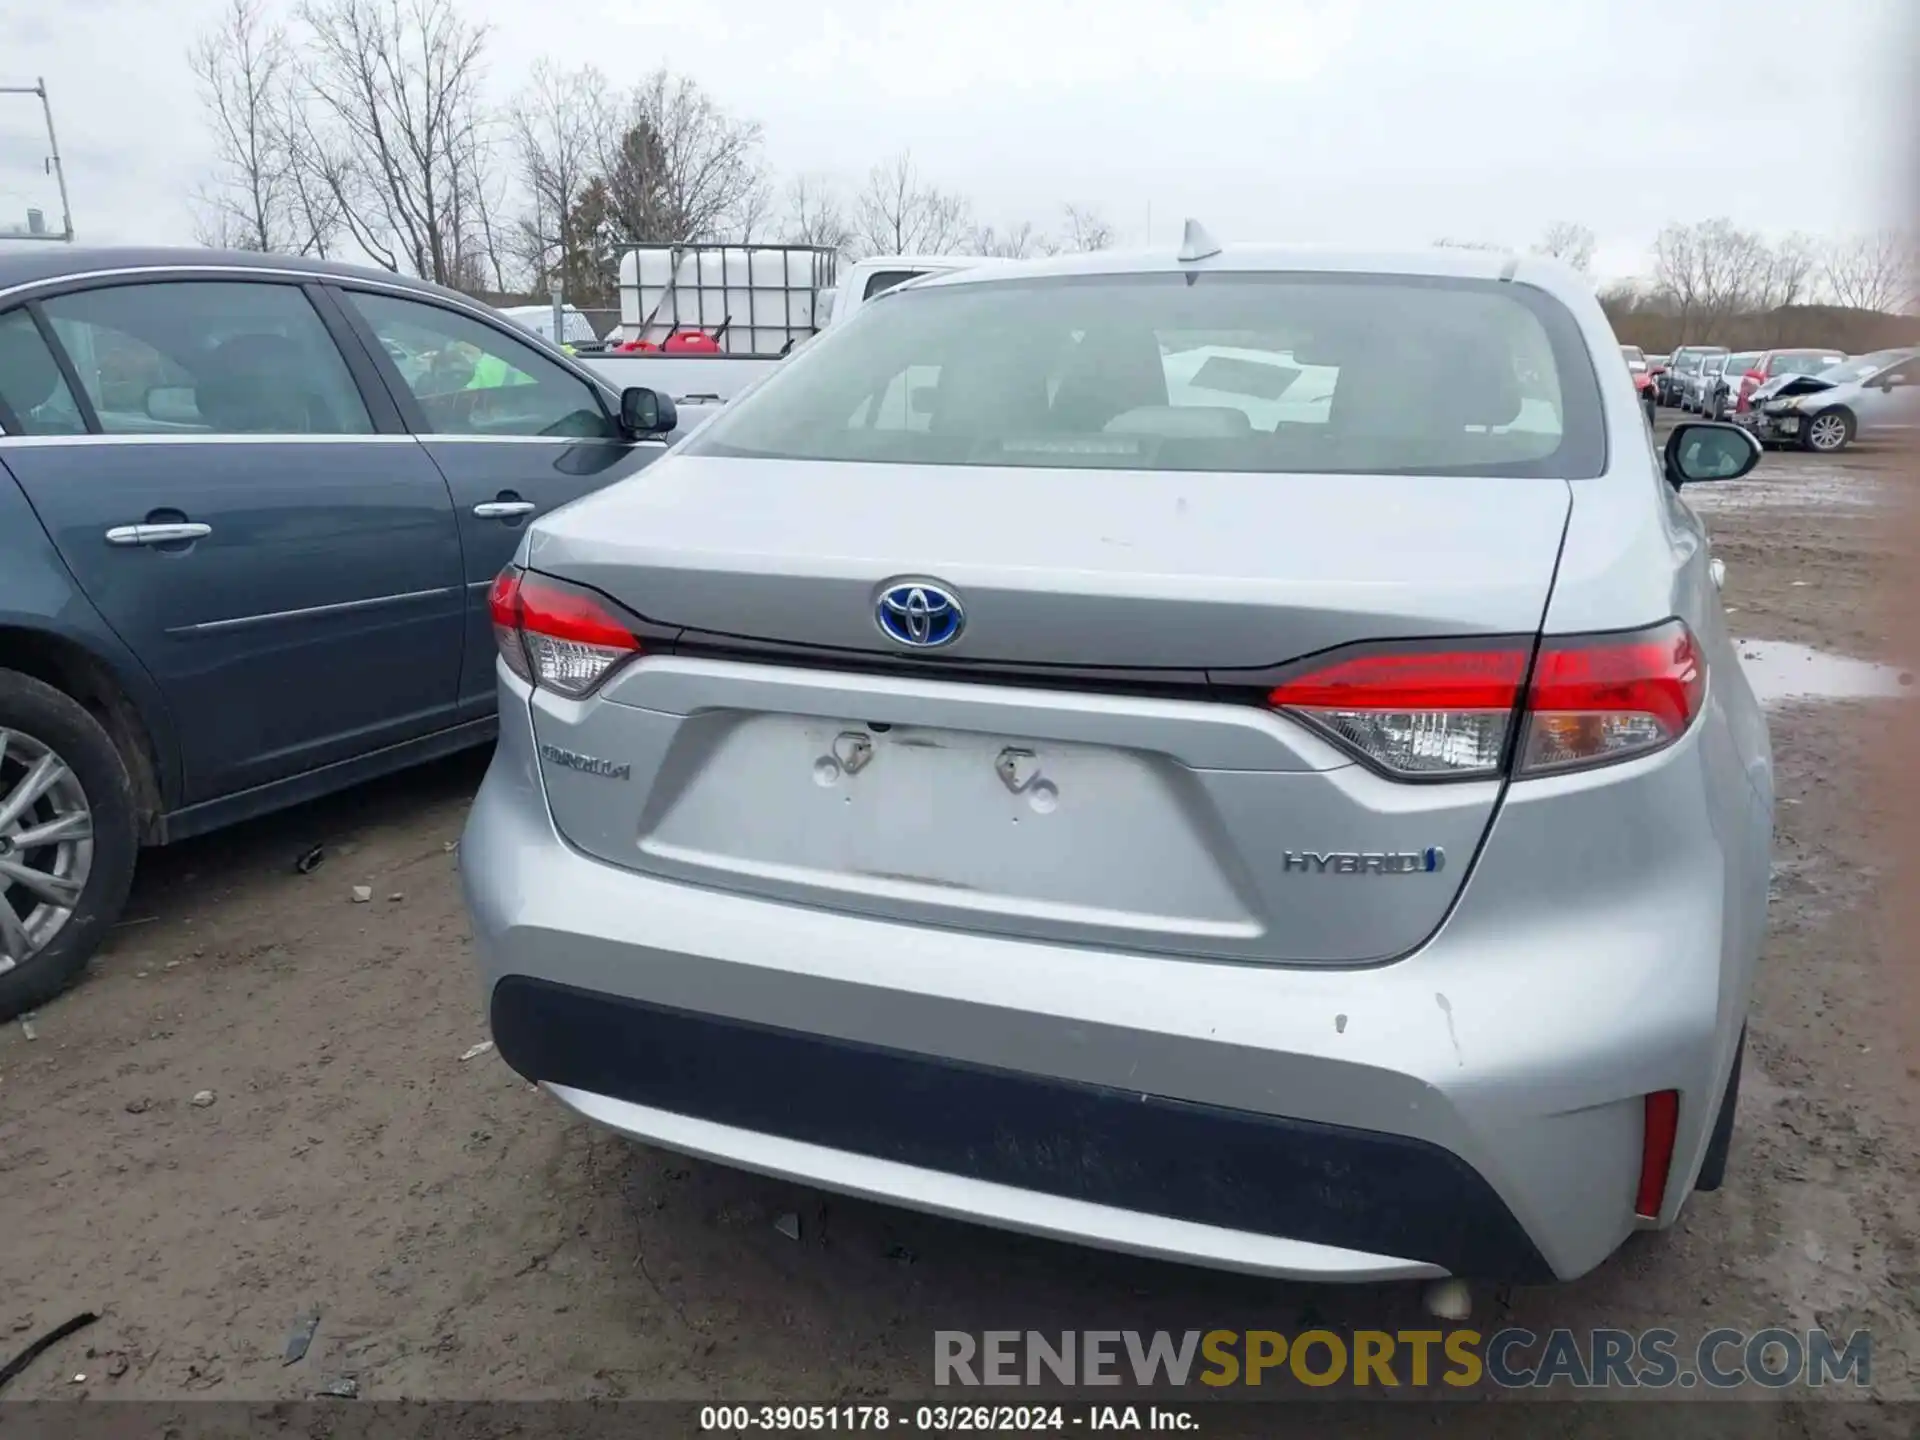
1567 241
255 199
1876 271
815 216
397 133
897 213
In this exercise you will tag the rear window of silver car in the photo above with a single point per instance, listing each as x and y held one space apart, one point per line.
1284 373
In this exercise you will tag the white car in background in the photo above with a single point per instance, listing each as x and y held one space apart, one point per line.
577 330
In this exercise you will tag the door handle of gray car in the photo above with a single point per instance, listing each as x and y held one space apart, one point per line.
172 534
503 509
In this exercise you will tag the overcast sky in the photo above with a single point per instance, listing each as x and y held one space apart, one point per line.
1378 121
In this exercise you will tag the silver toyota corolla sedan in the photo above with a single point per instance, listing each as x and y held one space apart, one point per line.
1018 763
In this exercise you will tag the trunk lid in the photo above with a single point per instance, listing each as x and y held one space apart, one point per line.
1182 571
1068 803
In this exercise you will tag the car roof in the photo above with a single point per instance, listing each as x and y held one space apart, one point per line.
30 265
894 262
1441 262
1438 261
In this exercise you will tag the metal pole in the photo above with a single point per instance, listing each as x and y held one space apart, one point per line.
59 170
558 291
39 87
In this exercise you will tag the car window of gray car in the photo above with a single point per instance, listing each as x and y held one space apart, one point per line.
1799 364
471 379
1237 371
207 357
34 398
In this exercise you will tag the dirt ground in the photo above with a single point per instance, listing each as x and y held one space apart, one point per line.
463 1237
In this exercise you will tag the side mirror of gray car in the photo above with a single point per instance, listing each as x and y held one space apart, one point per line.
645 413
1709 451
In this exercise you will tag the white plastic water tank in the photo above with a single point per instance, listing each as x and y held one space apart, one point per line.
757 299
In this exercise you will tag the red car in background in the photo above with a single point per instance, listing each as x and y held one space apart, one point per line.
1771 364
1642 373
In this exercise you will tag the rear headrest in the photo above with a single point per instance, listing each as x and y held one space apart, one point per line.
984 391
1426 387
255 384
1182 422
1110 373
28 375
1477 384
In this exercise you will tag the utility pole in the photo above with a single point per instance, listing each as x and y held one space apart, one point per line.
53 166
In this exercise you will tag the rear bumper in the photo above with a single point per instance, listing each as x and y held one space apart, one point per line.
1473 1109
1012 1147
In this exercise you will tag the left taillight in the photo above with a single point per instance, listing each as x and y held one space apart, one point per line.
1450 711
558 636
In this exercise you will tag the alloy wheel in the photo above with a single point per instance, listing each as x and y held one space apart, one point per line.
46 846
1827 432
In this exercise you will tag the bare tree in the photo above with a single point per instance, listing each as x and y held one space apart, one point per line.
1711 272
753 212
678 166
1087 229
1732 268
1875 271
1568 241
1448 242
555 123
255 199
899 214
1016 242
1676 270
815 215
394 130
1792 273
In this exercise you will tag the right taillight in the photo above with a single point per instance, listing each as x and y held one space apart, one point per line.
1600 698
558 636
1449 711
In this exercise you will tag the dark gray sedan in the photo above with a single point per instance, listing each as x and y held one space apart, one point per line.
250 509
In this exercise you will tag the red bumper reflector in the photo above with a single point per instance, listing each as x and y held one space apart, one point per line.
1656 1151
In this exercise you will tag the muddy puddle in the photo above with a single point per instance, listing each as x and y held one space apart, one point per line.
1780 671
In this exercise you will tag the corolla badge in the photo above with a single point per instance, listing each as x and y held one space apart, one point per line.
1363 862
920 613
585 764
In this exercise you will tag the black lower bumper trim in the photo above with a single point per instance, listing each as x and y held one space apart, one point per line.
1329 1184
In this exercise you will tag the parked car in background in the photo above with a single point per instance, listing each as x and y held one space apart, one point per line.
1700 381
1873 397
1686 361
1772 364
1719 401
579 338
250 511
1246 737
1642 376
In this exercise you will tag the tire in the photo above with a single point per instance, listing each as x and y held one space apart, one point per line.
1827 433
1713 1167
45 945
